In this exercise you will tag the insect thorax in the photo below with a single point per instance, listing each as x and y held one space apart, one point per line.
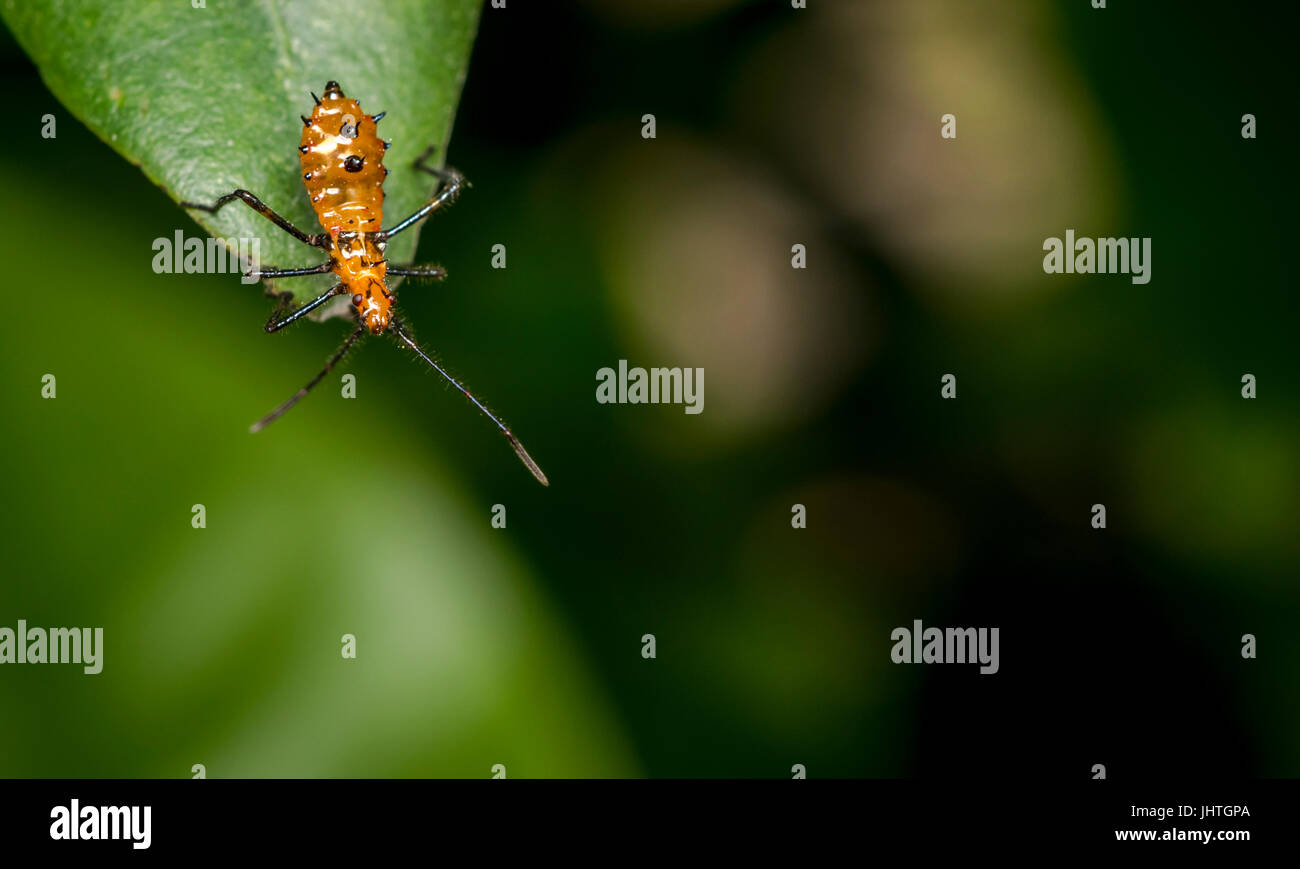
359 256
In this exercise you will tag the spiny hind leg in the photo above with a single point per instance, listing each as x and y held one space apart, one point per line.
278 322
292 273
452 183
433 273
446 174
261 208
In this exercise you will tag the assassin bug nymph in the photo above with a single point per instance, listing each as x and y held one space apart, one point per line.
343 171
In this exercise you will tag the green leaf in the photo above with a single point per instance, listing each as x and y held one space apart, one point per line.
207 100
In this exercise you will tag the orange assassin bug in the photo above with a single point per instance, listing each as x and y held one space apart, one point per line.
343 171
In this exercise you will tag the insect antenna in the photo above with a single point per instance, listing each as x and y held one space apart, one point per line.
300 394
396 329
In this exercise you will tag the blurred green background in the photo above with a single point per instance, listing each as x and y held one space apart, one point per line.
522 646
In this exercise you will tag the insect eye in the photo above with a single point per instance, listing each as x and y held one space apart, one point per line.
353 163
356 300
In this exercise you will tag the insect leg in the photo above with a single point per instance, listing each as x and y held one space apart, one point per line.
452 182
436 273
400 333
261 208
298 396
447 174
291 273
276 323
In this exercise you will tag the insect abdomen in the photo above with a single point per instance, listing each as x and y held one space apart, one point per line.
343 166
